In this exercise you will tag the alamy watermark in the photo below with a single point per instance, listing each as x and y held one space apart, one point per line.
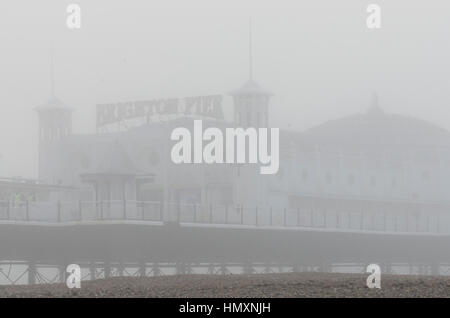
73 20
374 19
189 149
74 277
374 279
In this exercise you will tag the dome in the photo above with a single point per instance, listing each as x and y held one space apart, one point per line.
251 88
377 129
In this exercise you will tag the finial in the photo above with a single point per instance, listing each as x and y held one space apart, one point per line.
52 75
375 109
374 101
250 49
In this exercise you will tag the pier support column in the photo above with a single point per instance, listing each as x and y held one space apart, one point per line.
268 269
435 269
92 271
211 269
387 268
156 270
223 269
62 273
248 268
296 268
107 269
180 268
120 269
32 271
325 267
142 269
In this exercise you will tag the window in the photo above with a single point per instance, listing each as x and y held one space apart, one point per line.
329 177
350 179
373 181
305 174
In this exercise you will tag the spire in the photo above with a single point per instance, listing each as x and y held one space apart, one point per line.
375 109
250 50
250 87
52 75
53 102
374 101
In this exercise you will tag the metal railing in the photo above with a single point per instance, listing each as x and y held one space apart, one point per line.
338 219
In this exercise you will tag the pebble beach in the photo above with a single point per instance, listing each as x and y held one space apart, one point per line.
307 284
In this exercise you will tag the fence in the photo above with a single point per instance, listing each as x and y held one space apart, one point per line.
341 219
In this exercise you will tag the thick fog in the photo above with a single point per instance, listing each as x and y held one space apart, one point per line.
348 152
317 57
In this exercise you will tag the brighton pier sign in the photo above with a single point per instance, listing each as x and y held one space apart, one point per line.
203 106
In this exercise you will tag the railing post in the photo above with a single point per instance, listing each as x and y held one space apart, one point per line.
58 204
226 213
124 209
372 218
195 212
101 209
80 215
284 217
337 219
161 211
349 220
256 216
438 222
298 217
178 212
271 216
210 213
311 217
27 210
362 220
407 221
242 214
8 208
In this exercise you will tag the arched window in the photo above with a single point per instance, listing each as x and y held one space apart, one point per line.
350 179
305 175
329 177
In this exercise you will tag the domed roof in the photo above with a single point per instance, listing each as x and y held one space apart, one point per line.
378 129
54 103
250 88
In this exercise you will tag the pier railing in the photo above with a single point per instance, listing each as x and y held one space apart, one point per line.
382 220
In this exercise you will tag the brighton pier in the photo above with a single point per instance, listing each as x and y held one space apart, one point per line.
367 188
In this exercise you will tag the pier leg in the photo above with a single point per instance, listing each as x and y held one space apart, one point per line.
107 269
142 269
92 271
32 273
